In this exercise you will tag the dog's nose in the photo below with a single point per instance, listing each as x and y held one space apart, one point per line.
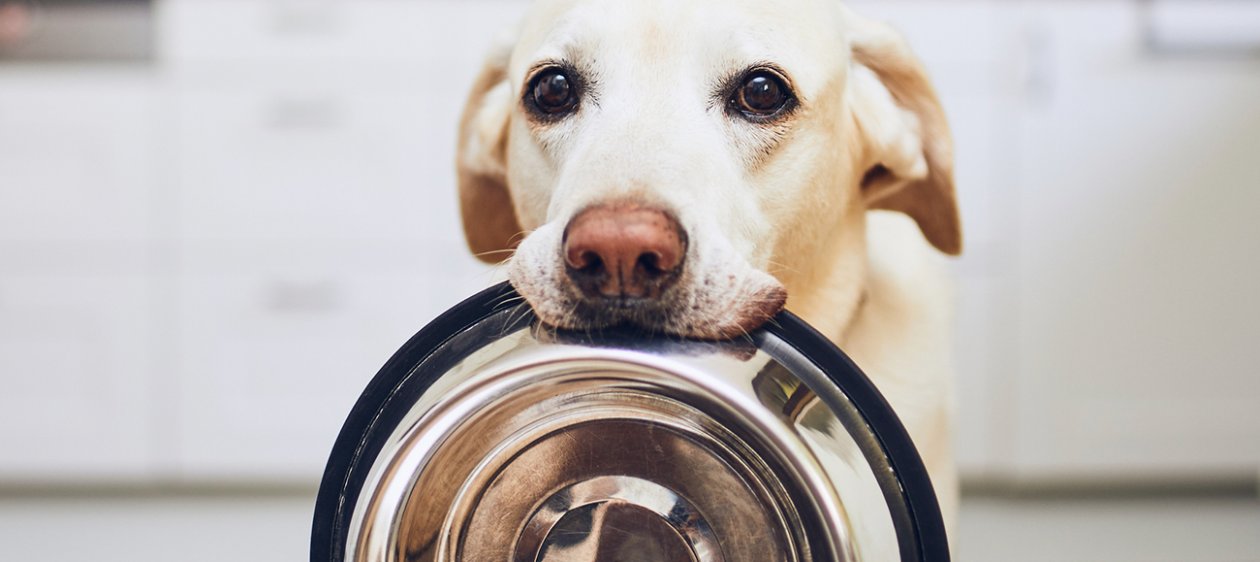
624 251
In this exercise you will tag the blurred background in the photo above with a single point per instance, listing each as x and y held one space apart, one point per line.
218 218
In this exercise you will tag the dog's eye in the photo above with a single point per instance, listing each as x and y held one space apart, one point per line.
761 94
553 92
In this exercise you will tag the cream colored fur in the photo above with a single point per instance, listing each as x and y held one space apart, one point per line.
793 205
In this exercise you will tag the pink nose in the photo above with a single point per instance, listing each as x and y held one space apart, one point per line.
624 251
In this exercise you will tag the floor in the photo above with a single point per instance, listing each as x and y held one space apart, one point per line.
274 527
1127 530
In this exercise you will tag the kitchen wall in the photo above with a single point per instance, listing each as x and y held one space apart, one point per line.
207 249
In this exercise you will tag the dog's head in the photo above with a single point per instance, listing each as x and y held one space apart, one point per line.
681 166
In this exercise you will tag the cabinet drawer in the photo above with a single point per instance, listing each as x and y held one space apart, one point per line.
76 156
277 343
299 162
327 31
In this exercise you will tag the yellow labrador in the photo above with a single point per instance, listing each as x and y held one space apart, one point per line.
691 166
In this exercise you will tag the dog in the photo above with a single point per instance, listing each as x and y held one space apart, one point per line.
691 167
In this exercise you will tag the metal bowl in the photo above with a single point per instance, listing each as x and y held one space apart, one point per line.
489 438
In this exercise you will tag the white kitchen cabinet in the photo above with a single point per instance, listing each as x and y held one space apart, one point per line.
1136 313
201 267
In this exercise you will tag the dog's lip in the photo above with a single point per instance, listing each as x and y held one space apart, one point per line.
623 302
662 316
607 310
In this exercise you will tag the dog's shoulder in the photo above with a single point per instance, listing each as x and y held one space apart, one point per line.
905 271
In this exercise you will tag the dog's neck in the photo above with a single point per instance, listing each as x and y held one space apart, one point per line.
828 288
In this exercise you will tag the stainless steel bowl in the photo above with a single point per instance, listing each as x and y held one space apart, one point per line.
488 438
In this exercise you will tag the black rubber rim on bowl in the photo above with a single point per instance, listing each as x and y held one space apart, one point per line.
383 403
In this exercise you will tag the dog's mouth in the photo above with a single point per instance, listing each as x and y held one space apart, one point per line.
648 314
681 312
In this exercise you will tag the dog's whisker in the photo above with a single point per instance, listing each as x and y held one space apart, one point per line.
490 253
510 301
493 252
522 311
782 266
507 298
515 239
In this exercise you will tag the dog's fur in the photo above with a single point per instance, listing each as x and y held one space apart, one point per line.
790 207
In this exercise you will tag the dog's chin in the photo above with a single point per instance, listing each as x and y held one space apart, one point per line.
680 312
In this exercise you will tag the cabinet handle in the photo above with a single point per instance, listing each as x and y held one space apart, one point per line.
306 114
306 17
304 297
1229 28
1038 64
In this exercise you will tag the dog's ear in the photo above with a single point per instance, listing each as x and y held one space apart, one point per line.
490 224
908 165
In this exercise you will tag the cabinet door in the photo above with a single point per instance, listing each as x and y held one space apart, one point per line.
76 365
276 343
77 293
1137 265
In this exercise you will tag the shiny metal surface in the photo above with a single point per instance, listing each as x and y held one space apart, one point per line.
619 517
532 448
